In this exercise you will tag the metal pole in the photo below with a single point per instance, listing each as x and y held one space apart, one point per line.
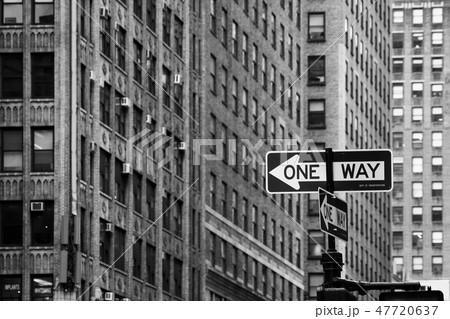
332 259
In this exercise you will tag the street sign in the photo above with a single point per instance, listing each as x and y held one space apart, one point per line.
305 171
333 215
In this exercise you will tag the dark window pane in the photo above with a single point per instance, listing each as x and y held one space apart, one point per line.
11 74
42 226
11 221
42 73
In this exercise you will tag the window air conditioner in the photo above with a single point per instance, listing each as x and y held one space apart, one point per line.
126 168
37 206
109 296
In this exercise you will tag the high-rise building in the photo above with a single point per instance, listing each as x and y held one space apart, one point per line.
419 126
346 105
133 136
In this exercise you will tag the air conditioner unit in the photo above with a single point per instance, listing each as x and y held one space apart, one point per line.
37 206
91 75
126 168
177 79
148 119
104 13
148 54
163 131
109 227
109 296
92 146
101 82
181 146
125 101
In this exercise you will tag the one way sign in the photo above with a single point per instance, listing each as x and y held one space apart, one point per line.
305 171
333 215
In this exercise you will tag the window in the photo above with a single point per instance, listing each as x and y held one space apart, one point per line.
397 215
436 114
436 214
166 207
398 190
417 165
315 280
212 19
42 226
104 172
397 115
316 70
42 71
255 221
316 242
316 113
150 263
417 189
255 62
120 182
274 31
120 47
151 71
417 239
42 155
178 36
120 116
437 265
397 90
398 267
417 16
234 40
166 271
41 287
417 115
436 90
437 15
436 239
417 214
397 65
151 14
273 82
137 8
397 240
137 74
316 26
397 16
11 223
437 39
417 264
398 40
178 276
12 11
166 25
11 76
11 148
264 71
436 164
137 258
417 89
417 139
437 64
397 140
212 191
313 205
151 199
213 72
43 12
436 139
245 50
417 65
398 165
166 85
104 243
234 92
224 25
436 189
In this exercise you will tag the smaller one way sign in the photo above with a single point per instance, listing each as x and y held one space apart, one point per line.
333 215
